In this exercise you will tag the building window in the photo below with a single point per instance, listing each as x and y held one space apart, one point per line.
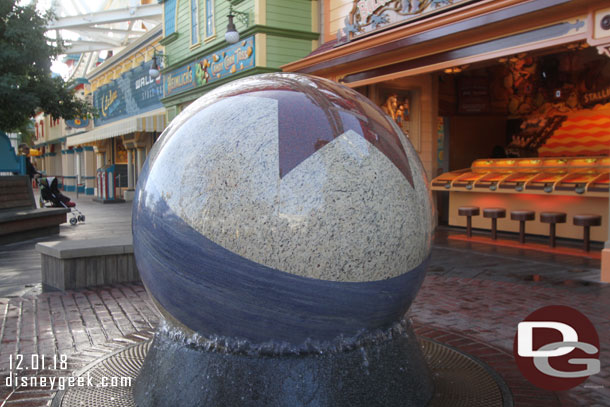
209 18
194 22
169 8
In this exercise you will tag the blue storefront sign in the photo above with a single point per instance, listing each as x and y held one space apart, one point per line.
221 64
135 92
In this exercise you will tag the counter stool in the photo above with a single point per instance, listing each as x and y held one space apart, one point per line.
587 221
552 218
522 217
494 214
469 212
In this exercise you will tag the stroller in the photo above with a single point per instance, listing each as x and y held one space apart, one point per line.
50 197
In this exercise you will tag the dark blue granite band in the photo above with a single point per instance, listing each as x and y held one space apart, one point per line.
218 293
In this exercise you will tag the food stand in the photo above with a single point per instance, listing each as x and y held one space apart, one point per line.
578 185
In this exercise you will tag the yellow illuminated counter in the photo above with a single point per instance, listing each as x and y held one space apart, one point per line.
577 185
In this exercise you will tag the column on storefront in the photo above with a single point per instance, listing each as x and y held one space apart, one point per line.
100 159
137 145
129 143
48 161
140 157
130 174
42 160
78 169
90 167
55 167
69 171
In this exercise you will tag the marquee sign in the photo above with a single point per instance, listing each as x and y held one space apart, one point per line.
368 16
135 92
221 64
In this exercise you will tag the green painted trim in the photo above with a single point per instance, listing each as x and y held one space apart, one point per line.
280 32
54 141
170 38
192 94
255 29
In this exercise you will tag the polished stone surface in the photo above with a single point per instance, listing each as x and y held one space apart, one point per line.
390 371
277 195
216 292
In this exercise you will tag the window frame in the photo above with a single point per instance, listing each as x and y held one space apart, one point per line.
211 36
194 23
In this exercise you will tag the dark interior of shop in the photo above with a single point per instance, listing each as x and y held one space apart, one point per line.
511 106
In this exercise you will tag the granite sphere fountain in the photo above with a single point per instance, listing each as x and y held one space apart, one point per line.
282 226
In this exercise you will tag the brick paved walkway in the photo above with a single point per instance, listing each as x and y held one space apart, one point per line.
83 325
476 316
488 311
473 298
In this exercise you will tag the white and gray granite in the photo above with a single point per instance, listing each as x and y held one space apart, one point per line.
344 214
225 178
348 214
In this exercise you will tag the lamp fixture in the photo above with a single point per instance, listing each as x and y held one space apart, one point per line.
456 69
232 35
155 69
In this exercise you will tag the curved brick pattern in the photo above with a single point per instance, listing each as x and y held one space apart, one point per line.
475 316
70 322
38 397
488 311
523 393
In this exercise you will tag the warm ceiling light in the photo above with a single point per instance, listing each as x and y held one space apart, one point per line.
455 69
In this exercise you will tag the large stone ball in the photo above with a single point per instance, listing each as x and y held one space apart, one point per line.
282 207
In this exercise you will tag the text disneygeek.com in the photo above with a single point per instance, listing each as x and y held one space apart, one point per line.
24 369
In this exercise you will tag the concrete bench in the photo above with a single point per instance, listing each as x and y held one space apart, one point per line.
72 264
19 217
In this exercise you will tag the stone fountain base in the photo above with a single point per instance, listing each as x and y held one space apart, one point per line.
362 376
388 366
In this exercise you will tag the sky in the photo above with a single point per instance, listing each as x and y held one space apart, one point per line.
43 5
69 9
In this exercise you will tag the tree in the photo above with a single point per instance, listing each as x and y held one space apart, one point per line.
26 83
